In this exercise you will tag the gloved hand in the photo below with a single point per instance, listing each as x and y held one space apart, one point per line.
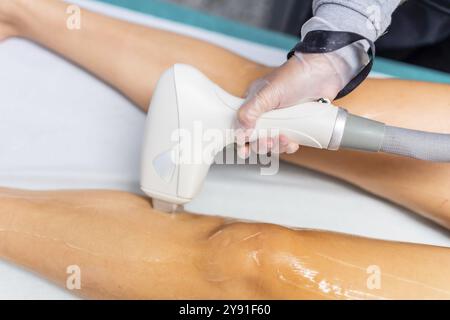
302 78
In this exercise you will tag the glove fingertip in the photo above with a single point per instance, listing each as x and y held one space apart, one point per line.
245 116
243 152
292 148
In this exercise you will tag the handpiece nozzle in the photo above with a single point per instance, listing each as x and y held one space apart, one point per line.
166 206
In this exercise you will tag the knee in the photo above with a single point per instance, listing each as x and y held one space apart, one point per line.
240 255
236 244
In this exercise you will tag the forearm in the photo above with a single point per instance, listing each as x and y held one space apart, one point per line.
128 56
126 249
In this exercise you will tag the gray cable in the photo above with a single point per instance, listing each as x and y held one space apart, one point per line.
416 144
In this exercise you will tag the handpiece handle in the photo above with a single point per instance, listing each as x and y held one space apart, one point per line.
308 124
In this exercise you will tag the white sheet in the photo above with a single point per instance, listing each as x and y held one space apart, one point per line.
62 128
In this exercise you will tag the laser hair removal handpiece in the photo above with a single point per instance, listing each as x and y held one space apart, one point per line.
174 164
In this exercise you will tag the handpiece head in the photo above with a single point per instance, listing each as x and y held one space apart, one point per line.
174 164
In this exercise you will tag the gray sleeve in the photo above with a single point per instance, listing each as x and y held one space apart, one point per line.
369 18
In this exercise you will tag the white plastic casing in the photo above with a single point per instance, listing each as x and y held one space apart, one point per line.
184 102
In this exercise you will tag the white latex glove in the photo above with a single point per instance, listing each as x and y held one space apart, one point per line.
304 77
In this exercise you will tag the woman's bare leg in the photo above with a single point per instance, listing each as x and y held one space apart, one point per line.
132 57
423 187
126 249
128 56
